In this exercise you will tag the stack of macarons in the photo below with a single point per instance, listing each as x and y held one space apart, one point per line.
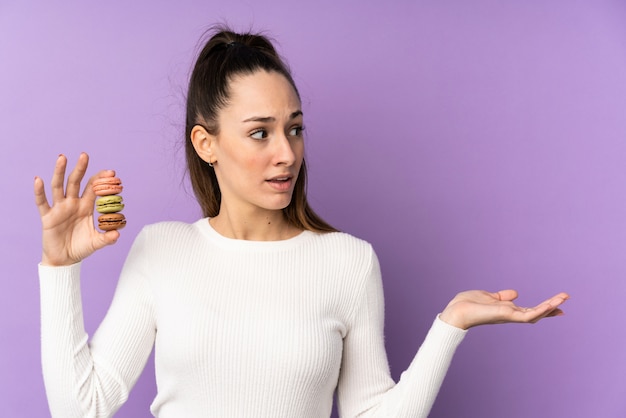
109 203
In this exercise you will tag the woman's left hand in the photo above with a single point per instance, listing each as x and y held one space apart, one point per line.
478 307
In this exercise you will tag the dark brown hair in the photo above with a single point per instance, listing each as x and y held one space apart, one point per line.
224 56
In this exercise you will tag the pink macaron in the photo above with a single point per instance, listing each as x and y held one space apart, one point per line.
105 186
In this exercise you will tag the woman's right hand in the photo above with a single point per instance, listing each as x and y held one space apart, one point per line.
69 234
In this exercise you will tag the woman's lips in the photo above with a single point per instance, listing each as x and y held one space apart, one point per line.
281 184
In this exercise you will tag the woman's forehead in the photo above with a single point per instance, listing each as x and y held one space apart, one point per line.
262 92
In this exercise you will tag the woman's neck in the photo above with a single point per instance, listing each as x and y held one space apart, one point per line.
270 226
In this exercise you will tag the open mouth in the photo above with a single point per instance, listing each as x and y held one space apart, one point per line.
280 180
281 183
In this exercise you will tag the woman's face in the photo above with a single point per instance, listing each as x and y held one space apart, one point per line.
259 147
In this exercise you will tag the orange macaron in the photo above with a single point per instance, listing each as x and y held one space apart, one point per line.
105 186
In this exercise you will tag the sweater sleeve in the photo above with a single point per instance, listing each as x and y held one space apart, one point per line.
93 378
366 388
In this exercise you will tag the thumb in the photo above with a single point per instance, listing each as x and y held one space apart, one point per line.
507 295
106 238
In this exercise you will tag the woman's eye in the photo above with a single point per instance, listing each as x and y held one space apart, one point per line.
296 131
259 134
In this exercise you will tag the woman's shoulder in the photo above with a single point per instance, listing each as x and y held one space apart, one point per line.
344 242
348 260
169 229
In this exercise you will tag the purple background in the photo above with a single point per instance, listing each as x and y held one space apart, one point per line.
476 144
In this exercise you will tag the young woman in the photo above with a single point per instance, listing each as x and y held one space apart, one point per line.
260 308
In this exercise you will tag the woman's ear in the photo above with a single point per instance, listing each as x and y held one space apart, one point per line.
203 142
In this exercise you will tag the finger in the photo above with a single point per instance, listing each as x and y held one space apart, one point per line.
107 238
564 296
555 312
58 177
40 197
555 301
506 295
544 309
525 315
549 314
76 176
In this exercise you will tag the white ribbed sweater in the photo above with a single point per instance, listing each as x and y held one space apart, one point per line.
240 329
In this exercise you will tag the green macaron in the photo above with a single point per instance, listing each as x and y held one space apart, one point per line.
109 204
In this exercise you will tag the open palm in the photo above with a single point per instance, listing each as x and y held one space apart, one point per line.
478 307
69 234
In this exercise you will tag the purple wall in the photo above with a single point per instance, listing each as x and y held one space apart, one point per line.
476 144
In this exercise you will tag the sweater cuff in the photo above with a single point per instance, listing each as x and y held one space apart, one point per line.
453 335
59 272
59 282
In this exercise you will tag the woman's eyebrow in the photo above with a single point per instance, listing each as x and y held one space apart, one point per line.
266 119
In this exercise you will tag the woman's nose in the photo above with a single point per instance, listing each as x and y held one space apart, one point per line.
284 152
